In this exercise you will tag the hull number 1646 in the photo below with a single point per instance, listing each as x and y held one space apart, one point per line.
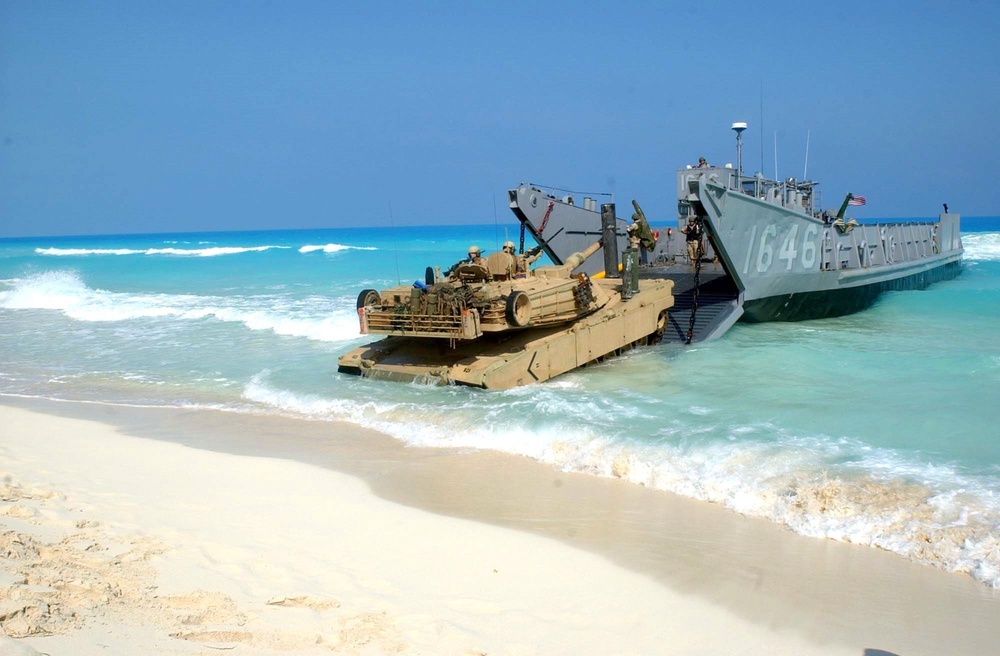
792 249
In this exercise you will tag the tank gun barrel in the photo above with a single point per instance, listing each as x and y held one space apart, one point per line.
576 259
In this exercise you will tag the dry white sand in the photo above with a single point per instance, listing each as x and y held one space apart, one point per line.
114 542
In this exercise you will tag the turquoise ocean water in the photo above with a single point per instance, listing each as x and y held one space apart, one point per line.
880 428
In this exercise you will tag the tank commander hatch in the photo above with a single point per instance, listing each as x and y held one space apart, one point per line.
475 257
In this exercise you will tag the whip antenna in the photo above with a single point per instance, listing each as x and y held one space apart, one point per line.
395 252
762 126
775 155
496 223
805 169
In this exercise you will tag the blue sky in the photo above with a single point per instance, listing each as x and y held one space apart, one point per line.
122 117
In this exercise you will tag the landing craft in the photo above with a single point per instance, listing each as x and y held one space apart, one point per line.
770 253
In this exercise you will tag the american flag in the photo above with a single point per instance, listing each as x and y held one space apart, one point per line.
857 200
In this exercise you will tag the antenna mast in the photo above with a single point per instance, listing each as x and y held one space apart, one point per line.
762 126
805 169
738 128
776 156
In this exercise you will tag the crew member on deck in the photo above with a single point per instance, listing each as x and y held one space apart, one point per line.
702 163
693 233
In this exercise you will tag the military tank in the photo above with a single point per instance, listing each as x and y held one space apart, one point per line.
494 324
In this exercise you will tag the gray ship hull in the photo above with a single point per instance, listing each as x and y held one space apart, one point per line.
767 256
802 306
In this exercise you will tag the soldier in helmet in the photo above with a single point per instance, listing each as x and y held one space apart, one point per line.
526 259
475 257
523 261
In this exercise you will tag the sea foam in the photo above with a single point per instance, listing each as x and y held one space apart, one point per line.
333 248
184 252
313 318
982 246
930 514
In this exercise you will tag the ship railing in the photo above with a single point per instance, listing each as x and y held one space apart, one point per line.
880 244
569 196
800 195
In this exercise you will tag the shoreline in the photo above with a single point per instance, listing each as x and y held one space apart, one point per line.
700 566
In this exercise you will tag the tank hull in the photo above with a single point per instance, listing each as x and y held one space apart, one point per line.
521 357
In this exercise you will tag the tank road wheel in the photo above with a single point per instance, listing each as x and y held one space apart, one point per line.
368 297
518 309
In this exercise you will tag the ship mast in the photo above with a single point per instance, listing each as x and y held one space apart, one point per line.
738 128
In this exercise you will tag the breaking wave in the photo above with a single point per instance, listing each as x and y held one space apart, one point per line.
186 252
815 485
316 318
982 245
334 248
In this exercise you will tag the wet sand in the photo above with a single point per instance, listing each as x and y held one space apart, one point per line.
373 547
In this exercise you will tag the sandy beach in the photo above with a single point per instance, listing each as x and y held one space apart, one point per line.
158 531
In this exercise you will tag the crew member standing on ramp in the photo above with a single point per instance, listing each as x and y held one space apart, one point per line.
693 232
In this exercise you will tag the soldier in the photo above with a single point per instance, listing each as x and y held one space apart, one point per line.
640 230
475 257
693 233
702 163
526 259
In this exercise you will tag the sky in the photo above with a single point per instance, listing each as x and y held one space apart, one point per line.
138 117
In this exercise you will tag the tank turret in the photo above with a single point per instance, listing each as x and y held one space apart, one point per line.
477 299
